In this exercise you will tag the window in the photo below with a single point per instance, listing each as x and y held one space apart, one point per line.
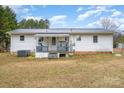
22 38
79 38
40 39
53 41
66 38
95 39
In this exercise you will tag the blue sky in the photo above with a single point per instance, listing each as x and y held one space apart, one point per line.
71 15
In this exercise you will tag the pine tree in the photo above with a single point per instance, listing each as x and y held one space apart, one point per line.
31 23
7 24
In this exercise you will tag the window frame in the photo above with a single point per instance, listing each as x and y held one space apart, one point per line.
78 38
95 39
22 38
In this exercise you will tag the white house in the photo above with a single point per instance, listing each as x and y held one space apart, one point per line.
60 41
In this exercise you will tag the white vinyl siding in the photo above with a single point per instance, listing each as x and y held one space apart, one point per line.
105 43
29 43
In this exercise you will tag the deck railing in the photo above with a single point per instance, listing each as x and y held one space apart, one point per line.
41 48
46 49
63 48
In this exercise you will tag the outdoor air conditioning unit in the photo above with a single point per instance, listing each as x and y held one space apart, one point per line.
23 53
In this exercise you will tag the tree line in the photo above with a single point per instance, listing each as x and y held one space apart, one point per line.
8 23
31 23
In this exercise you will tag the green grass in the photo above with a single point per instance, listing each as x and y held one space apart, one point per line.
103 70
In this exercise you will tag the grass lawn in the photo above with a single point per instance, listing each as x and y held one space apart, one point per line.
78 71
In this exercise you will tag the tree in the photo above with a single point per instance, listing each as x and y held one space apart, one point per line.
121 40
7 23
47 23
31 23
9 19
1 17
41 23
109 24
21 24
116 38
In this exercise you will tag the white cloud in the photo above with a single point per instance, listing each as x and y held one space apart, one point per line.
19 9
116 13
101 8
118 21
33 17
122 26
15 8
121 20
24 12
79 9
94 24
113 10
58 19
87 14
96 10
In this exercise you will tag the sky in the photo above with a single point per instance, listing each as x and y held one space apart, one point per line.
71 16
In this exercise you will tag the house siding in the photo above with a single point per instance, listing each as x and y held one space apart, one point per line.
29 43
104 44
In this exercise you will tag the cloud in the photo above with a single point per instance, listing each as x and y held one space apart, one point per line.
107 9
103 8
122 27
23 12
116 13
118 21
94 24
19 9
87 14
94 11
15 8
79 9
58 19
32 17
